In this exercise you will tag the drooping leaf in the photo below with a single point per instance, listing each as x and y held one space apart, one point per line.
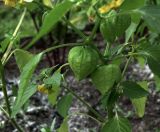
108 28
22 57
132 4
64 126
151 52
122 22
151 14
154 65
46 72
140 103
114 26
24 91
105 76
63 105
157 82
108 101
133 90
54 81
104 99
52 18
117 124
52 95
114 95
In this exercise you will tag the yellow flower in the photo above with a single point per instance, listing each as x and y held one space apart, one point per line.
11 3
118 3
114 4
105 8
42 89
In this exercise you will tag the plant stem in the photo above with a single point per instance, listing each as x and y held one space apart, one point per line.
14 35
110 109
95 28
81 34
84 114
9 56
13 122
66 64
61 46
4 89
85 103
126 66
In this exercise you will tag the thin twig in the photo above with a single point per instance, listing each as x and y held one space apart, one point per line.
14 35
85 103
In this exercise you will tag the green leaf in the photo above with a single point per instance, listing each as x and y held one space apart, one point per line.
141 61
136 17
52 95
151 14
133 90
154 65
23 98
139 104
104 99
130 31
157 82
24 91
108 101
151 52
114 26
122 22
107 28
107 31
55 81
64 104
105 76
117 124
64 126
45 129
22 57
4 44
52 18
132 4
